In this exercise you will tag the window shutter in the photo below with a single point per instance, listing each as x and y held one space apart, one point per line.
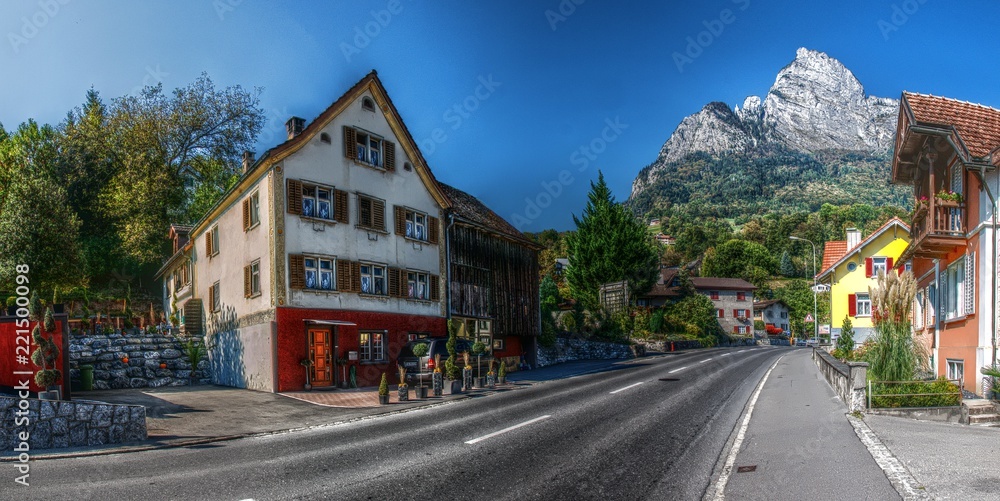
868 267
246 282
736 329
852 305
736 313
350 143
340 213
432 229
390 155
970 279
344 281
294 197
296 271
721 313
211 298
378 214
435 285
246 214
208 244
394 282
888 265
364 211
355 276
400 220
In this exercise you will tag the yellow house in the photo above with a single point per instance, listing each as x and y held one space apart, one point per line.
850 267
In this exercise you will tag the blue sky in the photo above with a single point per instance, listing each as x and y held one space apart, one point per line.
598 75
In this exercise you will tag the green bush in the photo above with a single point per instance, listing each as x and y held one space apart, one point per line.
937 393
383 386
420 349
451 368
845 343
548 337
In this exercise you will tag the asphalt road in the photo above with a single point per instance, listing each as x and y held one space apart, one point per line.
651 429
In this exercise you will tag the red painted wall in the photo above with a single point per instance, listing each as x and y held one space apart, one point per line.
292 341
8 354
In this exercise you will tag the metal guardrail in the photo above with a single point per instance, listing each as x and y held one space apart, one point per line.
871 396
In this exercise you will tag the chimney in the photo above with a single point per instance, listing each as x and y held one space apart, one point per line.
294 126
853 238
248 158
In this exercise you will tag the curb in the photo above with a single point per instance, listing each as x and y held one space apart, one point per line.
897 473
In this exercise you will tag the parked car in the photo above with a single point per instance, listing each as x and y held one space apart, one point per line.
813 341
424 366
800 342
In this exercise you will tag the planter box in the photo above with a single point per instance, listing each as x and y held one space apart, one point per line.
404 393
383 399
452 387
420 392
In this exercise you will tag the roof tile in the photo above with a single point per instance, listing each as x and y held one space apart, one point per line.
978 126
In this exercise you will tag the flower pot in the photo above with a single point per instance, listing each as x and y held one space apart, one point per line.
48 395
383 399
453 387
403 392
420 392
437 383
491 381
480 382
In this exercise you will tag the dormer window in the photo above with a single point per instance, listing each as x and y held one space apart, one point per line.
368 104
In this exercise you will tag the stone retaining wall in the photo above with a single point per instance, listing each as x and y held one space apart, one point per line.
847 379
54 423
145 352
567 349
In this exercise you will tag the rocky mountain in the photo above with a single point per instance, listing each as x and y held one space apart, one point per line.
815 105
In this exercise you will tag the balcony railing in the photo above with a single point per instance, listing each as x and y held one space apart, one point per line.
938 227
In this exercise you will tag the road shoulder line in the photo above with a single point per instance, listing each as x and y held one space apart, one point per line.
900 478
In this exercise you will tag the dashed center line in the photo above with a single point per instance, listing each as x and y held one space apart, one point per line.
677 370
706 360
505 430
627 387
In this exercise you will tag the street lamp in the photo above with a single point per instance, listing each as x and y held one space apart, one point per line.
815 315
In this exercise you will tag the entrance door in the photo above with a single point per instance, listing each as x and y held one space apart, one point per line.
322 359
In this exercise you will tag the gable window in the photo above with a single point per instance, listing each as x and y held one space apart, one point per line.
373 279
319 273
368 149
741 296
875 264
251 211
417 285
251 279
371 213
372 346
324 137
367 104
214 298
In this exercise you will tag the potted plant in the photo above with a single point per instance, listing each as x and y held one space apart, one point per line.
948 198
502 372
12 305
419 351
383 390
195 352
478 348
437 377
466 372
491 377
46 354
305 362
402 390
451 365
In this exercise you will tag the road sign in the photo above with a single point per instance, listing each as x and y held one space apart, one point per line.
809 317
818 288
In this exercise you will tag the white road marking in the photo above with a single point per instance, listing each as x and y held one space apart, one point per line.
677 370
727 470
706 360
627 387
900 478
505 430
726 354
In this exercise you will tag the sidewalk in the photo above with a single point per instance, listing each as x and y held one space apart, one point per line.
191 415
799 443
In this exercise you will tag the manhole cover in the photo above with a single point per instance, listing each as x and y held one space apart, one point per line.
746 469
669 379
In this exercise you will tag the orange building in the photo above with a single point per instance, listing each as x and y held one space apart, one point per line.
947 150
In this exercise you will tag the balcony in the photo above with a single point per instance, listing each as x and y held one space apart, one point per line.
938 228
